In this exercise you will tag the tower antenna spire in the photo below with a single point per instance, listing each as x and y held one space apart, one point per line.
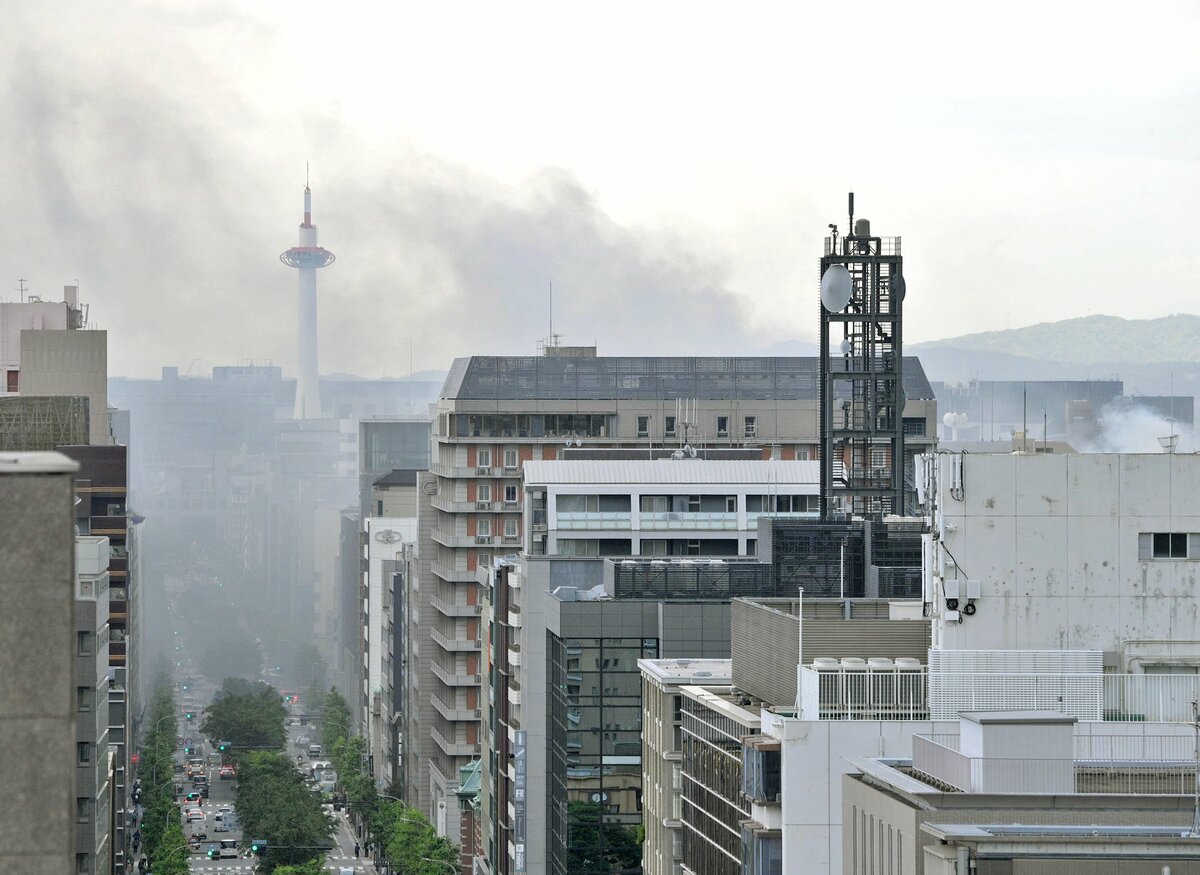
306 175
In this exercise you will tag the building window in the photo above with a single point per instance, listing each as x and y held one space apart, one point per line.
510 459
510 528
483 492
83 753
83 809
914 425
643 426
483 526
669 428
483 459
483 560
84 696
751 426
83 864
1164 545
84 644
722 426
510 494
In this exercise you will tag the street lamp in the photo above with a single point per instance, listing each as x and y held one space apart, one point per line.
449 866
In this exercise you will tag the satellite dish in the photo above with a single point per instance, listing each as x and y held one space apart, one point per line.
836 288
899 286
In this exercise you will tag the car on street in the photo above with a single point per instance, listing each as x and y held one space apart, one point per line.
226 773
195 814
229 849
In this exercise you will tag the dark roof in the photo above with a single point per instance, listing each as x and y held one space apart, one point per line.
791 378
399 477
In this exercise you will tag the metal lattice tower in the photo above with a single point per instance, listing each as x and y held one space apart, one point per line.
862 399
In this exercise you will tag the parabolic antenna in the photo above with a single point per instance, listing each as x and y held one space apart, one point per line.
898 286
836 288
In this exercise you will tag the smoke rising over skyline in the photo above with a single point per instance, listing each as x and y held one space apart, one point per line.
157 153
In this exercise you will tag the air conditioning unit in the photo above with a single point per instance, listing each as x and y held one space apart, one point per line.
483 505
484 470
483 539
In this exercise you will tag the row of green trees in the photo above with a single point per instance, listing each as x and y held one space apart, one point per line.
249 714
163 841
406 837
276 803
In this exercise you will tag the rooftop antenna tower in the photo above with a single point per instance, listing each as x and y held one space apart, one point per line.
307 258
546 344
861 370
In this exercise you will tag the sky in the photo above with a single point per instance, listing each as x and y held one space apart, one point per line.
670 169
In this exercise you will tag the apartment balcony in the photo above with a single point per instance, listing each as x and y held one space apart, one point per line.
454 749
514 693
454 610
514 656
474 473
511 540
514 617
450 506
451 712
452 678
108 525
460 645
699 521
617 521
456 539
452 575
752 517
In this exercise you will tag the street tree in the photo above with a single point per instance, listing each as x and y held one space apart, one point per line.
411 842
249 718
335 719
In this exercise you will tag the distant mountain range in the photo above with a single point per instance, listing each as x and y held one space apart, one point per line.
1149 355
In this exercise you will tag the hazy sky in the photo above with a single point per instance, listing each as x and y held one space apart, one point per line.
671 167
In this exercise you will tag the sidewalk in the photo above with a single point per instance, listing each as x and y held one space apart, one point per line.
343 854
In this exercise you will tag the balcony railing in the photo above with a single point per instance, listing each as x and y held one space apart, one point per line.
597 521
454 712
453 644
865 693
452 748
452 575
454 610
453 678
1110 765
689 520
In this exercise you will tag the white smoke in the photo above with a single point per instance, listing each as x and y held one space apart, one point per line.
1122 428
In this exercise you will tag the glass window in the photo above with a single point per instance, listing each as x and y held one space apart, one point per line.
483 459
483 526
83 753
643 426
84 697
1170 545
751 426
510 459
722 426
510 528
669 427
483 492
510 493
84 643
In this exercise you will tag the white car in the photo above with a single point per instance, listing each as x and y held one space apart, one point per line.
195 814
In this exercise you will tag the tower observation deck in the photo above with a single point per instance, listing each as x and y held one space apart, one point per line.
307 258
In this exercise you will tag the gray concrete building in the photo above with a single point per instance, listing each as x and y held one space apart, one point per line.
94 787
43 759
495 413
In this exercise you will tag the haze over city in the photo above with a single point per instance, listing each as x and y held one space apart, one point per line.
671 170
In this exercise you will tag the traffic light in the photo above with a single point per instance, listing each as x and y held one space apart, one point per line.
212 853
190 715
258 846
223 746
187 751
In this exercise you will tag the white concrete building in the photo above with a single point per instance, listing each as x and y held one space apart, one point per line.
386 540
663 507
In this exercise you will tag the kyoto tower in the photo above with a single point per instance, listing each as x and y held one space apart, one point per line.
307 258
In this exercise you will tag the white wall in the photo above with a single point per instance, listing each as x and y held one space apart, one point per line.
1054 541
815 756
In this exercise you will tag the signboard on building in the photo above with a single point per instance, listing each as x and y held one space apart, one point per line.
519 801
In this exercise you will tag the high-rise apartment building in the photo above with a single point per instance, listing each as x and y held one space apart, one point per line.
495 413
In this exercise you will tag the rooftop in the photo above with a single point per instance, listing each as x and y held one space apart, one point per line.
703 672
36 463
792 378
